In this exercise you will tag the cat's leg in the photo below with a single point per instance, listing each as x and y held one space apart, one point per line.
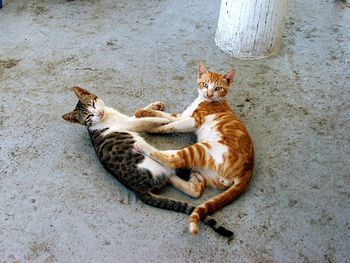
194 187
142 124
182 125
156 109
148 112
149 109
193 156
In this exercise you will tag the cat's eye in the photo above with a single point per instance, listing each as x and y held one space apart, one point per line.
204 85
218 88
93 103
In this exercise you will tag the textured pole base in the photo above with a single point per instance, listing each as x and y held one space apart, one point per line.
250 29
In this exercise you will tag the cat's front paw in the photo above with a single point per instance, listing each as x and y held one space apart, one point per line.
158 105
161 129
154 130
142 113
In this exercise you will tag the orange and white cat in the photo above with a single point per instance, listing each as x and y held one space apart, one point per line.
223 156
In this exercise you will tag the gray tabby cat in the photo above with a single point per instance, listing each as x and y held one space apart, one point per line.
113 135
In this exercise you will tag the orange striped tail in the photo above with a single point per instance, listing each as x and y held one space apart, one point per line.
217 202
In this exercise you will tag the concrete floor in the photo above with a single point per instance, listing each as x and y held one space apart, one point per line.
58 204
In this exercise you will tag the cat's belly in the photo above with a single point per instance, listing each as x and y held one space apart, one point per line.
207 131
116 153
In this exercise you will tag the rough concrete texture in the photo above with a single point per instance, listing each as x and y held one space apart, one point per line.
58 204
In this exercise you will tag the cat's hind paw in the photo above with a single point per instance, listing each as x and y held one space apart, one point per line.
197 184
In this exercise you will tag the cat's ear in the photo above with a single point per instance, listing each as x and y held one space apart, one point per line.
71 117
229 76
201 70
80 92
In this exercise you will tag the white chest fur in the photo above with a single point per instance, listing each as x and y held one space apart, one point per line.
113 120
208 132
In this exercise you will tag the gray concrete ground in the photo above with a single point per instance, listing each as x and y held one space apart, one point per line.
59 205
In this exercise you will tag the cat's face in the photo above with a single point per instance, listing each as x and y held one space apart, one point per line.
89 111
213 86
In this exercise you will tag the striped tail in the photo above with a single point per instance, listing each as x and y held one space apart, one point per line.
166 203
183 207
201 212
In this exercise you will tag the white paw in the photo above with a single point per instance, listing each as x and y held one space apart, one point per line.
161 121
158 105
155 130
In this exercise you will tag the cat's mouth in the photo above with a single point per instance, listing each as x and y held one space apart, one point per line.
210 99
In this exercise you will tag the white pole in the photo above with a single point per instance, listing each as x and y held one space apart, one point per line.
251 29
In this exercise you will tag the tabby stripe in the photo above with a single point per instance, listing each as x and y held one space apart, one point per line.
189 156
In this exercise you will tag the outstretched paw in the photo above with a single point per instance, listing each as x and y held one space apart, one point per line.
155 130
142 113
158 105
158 121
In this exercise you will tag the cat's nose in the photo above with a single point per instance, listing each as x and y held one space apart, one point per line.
209 95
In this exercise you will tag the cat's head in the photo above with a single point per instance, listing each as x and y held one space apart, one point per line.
213 86
89 111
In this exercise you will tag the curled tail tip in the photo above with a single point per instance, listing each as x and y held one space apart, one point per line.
218 229
226 233
194 229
